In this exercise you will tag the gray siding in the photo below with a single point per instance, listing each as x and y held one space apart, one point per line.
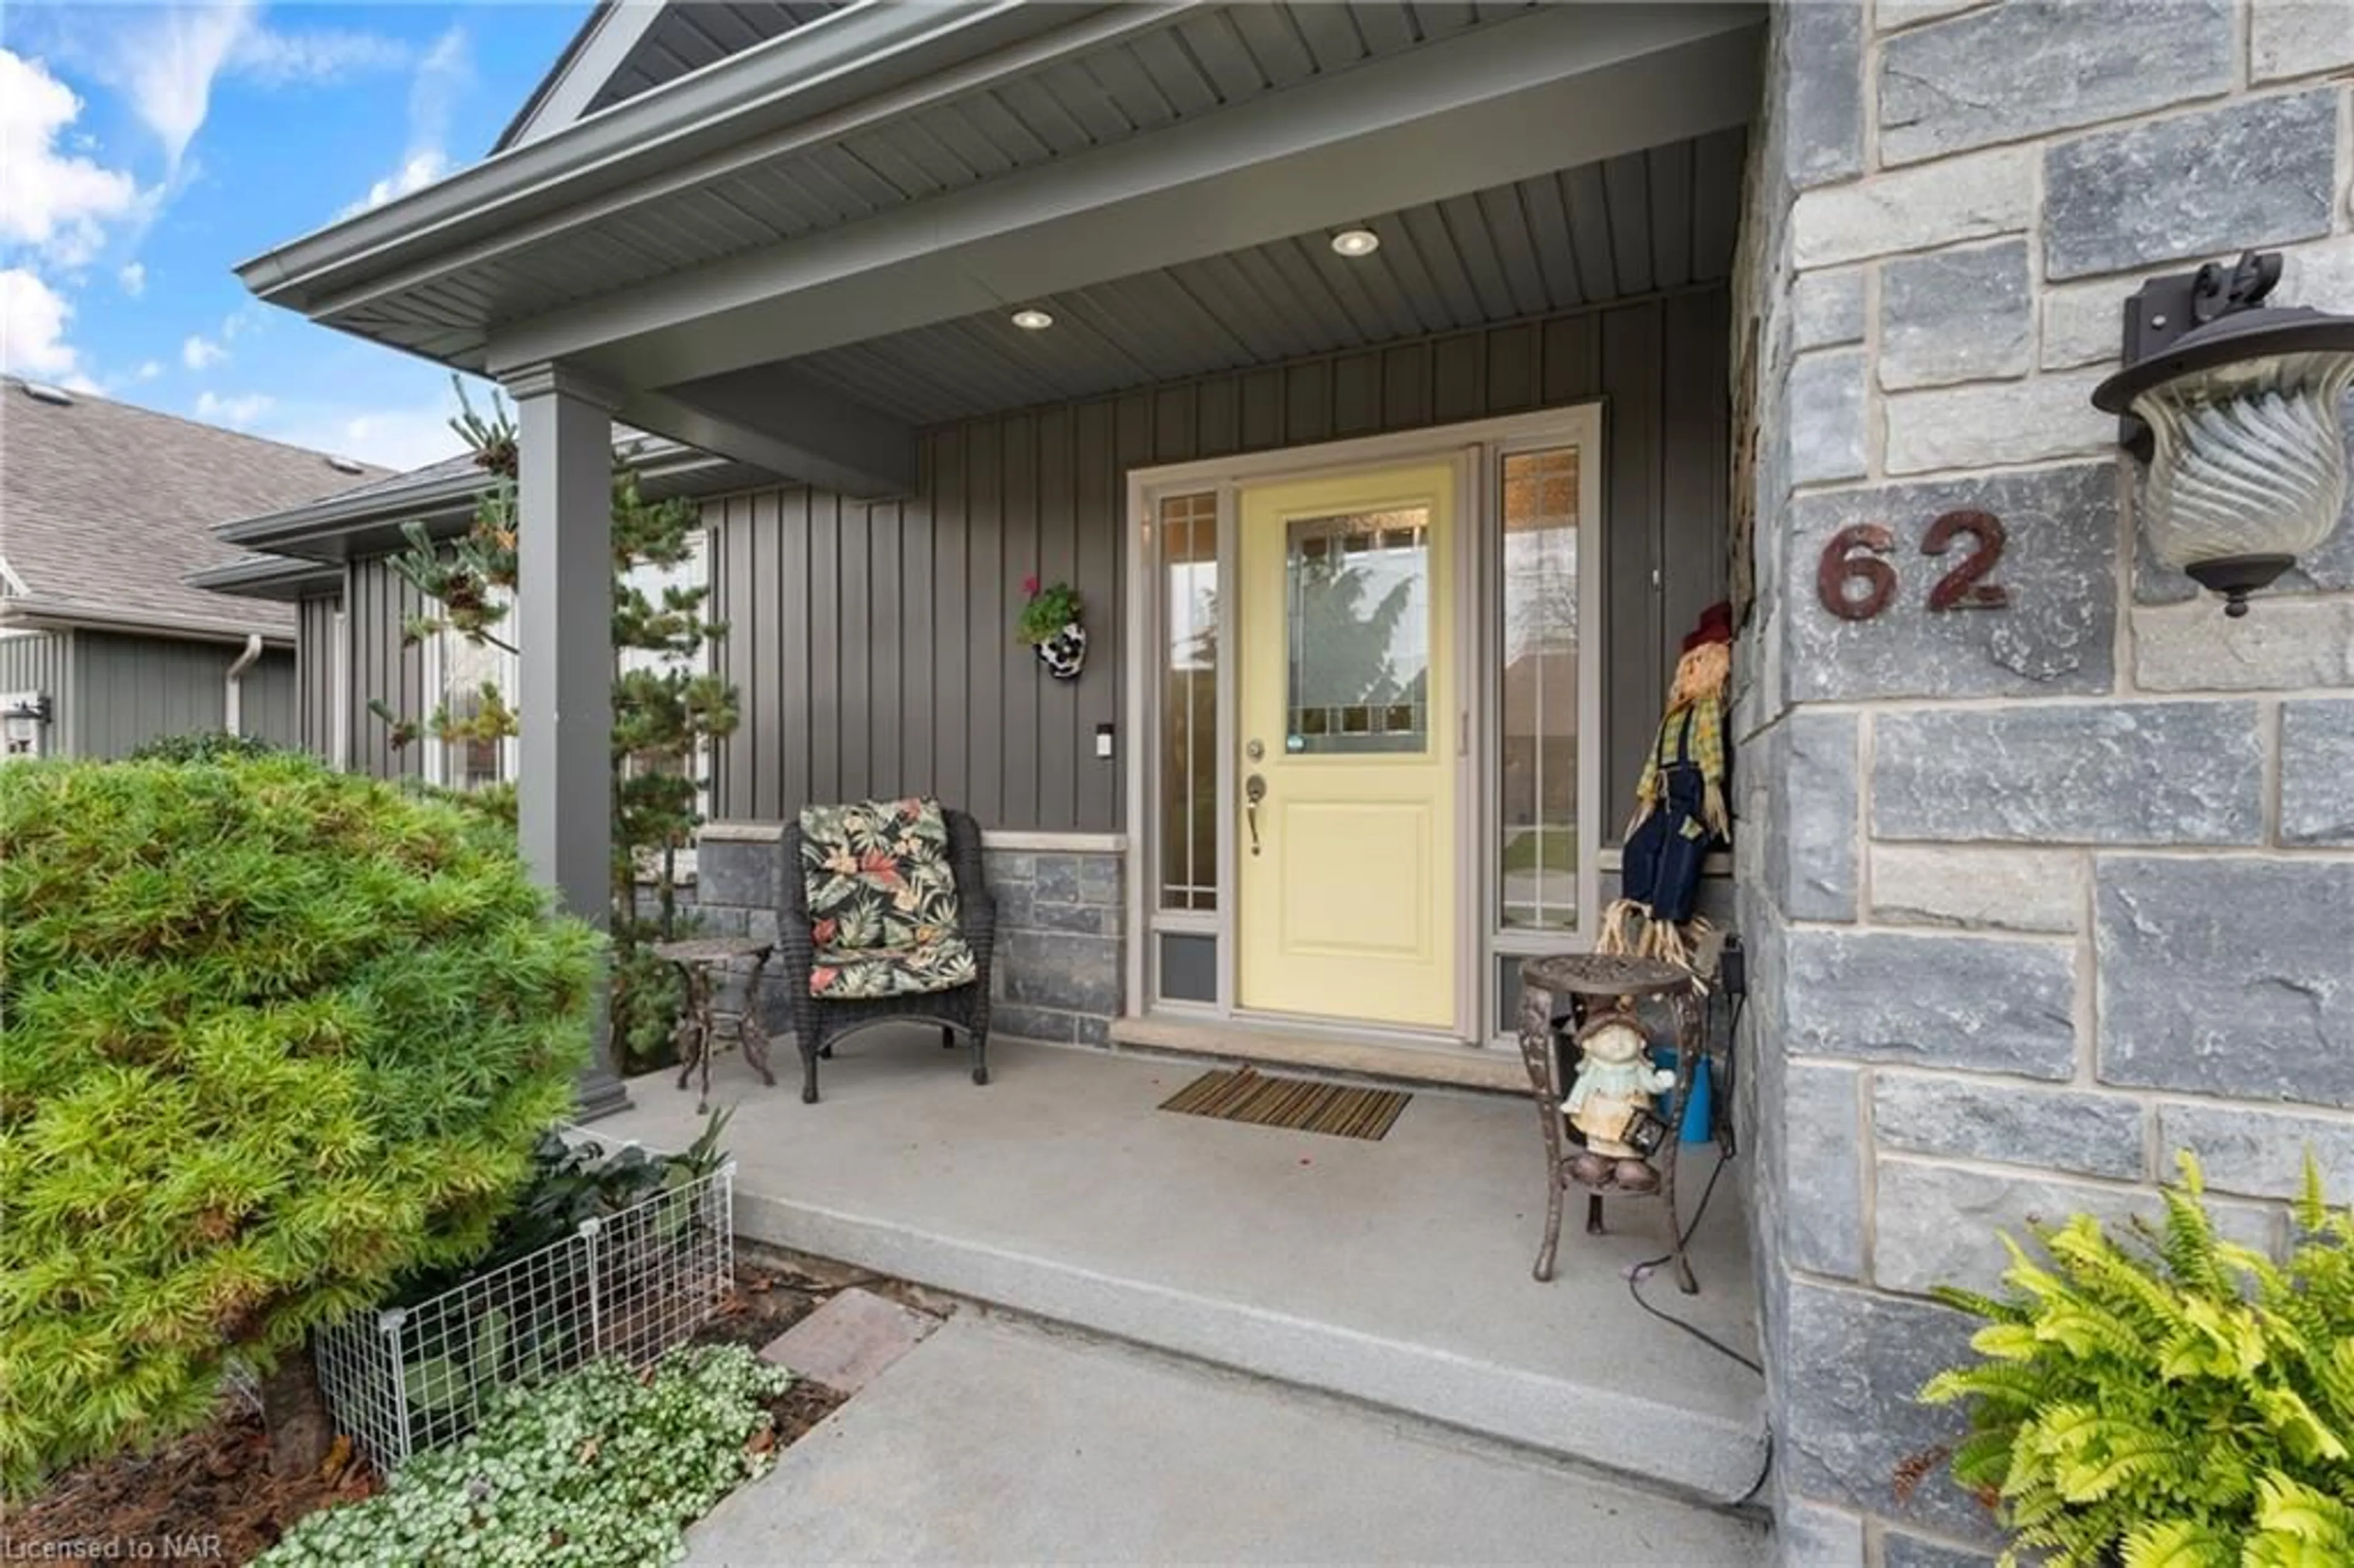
383 667
43 661
872 642
130 690
314 676
268 702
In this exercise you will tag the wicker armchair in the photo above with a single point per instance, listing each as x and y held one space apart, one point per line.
820 1020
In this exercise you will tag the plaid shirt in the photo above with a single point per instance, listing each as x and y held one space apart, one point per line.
1699 740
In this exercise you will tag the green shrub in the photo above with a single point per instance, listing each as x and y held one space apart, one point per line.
597 1469
276 1037
2181 1402
202 746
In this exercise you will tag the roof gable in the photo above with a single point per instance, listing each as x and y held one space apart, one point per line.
630 46
105 507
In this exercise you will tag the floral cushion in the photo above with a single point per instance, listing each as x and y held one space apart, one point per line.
944 963
882 898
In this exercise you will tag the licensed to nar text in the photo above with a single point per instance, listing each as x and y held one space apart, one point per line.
111 1549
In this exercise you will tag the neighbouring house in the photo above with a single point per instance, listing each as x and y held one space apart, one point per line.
108 638
1554 324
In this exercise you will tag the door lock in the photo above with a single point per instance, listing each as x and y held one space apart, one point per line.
1254 792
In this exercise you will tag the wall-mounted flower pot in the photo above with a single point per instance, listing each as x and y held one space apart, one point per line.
1065 653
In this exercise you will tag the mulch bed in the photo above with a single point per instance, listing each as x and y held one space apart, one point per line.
208 1496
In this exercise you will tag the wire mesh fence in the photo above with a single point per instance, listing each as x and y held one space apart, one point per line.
630 1285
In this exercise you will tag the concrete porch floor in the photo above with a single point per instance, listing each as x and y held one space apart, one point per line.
1392 1272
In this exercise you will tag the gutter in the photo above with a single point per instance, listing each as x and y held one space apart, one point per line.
278 577
233 699
450 496
65 615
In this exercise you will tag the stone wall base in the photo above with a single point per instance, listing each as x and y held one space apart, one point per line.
1058 970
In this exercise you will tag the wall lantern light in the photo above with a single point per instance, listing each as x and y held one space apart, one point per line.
21 718
2239 409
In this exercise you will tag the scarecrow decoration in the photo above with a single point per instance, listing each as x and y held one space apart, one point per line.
1610 1102
1680 812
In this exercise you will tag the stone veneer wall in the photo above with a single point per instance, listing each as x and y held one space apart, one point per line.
2045 893
1057 972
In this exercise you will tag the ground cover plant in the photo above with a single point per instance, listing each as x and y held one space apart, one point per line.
2169 1399
277 1038
602 1468
214 1485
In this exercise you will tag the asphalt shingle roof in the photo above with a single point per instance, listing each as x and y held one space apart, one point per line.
108 505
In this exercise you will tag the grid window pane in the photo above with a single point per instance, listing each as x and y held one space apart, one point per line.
467 666
1357 620
1189 703
1540 681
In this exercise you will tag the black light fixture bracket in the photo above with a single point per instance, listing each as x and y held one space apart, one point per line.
2164 309
36 708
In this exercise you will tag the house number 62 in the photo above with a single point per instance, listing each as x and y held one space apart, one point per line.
1963 587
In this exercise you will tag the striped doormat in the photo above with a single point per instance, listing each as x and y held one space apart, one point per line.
1245 1094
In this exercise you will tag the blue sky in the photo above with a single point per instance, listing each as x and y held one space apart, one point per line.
148 149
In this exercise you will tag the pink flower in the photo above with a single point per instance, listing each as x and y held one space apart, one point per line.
1030 584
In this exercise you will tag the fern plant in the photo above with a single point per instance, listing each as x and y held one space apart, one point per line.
2171 1401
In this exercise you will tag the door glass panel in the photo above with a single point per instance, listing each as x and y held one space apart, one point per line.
1540 684
1189 703
1357 632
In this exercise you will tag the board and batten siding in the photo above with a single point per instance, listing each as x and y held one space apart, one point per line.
380 602
130 690
42 662
314 674
872 642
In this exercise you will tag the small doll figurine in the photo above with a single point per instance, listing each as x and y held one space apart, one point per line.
1614 1081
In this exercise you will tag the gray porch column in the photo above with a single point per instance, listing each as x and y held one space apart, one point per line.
565 617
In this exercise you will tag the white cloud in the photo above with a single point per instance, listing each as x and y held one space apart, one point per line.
33 319
274 58
133 279
416 172
148 370
58 201
167 66
237 413
446 70
395 438
201 353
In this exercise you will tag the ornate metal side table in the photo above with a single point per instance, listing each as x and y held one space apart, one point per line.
700 1026
1595 976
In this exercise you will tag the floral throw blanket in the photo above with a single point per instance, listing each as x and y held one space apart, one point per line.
882 900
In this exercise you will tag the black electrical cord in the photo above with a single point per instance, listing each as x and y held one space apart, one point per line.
1759 1484
1721 1115
1636 1275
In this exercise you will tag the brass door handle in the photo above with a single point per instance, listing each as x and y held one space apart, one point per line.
1254 792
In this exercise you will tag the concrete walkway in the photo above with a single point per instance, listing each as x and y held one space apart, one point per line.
1393 1271
999 1440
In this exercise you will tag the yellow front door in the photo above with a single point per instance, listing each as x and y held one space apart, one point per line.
1345 797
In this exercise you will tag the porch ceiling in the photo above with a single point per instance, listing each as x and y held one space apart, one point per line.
1158 170
1157 66
1662 218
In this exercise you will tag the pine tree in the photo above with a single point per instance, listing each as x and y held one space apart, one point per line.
665 711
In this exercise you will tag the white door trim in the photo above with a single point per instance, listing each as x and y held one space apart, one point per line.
1474 446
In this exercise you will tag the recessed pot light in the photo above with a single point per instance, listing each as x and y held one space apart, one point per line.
1355 242
1033 319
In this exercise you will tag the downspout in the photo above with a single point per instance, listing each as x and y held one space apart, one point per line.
233 701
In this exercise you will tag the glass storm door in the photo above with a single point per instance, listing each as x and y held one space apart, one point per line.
1344 797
